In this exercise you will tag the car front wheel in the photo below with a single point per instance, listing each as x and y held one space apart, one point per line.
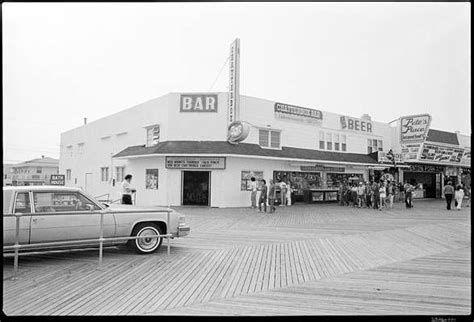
146 245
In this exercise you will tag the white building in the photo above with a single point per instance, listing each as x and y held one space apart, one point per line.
176 147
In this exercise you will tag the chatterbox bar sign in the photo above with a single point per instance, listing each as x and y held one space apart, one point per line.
414 128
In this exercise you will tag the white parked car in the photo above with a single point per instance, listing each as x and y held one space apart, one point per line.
58 213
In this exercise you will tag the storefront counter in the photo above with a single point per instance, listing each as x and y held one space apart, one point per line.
418 193
315 195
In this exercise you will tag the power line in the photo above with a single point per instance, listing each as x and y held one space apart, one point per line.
219 74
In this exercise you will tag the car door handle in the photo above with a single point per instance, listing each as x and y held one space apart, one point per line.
35 220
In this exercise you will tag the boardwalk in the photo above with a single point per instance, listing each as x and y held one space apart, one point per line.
303 260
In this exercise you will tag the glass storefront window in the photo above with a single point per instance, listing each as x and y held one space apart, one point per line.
333 180
299 181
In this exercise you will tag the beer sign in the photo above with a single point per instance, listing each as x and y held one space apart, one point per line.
414 128
349 123
204 103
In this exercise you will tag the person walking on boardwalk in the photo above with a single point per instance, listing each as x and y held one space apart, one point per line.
459 195
368 195
382 194
283 192
448 192
408 189
376 195
272 196
253 194
127 190
390 194
263 197
361 195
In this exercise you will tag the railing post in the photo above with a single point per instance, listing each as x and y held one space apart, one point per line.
168 232
101 237
17 242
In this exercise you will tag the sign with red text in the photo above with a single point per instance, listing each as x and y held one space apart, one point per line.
466 157
443 154
414 128
411 151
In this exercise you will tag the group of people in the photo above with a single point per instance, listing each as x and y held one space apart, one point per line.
458 193
269 194
376 195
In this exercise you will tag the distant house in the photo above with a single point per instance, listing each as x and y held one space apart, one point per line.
34 172
7 174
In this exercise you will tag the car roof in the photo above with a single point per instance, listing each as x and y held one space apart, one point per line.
41 188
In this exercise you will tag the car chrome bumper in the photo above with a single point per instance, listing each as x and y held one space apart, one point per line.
183 231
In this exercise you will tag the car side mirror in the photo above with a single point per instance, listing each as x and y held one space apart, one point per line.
90 207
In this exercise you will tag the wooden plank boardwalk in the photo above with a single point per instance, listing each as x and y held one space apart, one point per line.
318 259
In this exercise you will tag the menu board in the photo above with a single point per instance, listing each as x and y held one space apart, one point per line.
439 153
333 180
410 152
245 180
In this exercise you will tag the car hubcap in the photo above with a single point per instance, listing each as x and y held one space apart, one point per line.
150 243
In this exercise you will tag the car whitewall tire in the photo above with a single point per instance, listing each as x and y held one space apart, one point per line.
146 245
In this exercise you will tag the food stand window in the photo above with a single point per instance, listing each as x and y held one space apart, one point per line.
299 181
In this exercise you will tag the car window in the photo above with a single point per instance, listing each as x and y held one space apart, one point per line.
62 201
7 196
22 203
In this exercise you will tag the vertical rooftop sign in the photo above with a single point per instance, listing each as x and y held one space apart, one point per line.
234 80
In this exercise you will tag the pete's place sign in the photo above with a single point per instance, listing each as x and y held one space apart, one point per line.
414 128
350 123
198 103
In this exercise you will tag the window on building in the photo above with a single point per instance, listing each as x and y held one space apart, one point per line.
269 138
69 151
374 144
321 140
120 173
275 139
152 135
329 141
104 174
68 174
343 142
80 148
369 146
336 142
39 170
263 138
380 145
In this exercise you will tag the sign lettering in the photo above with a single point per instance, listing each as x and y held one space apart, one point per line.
414 128
57 180
234 80
195 163
198 103
291 112
355 124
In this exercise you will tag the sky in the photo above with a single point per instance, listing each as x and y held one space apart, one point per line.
66 61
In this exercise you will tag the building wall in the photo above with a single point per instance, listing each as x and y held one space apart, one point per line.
104 138
107 136
260 113
225 184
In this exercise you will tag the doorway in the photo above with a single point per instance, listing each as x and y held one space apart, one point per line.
196 188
